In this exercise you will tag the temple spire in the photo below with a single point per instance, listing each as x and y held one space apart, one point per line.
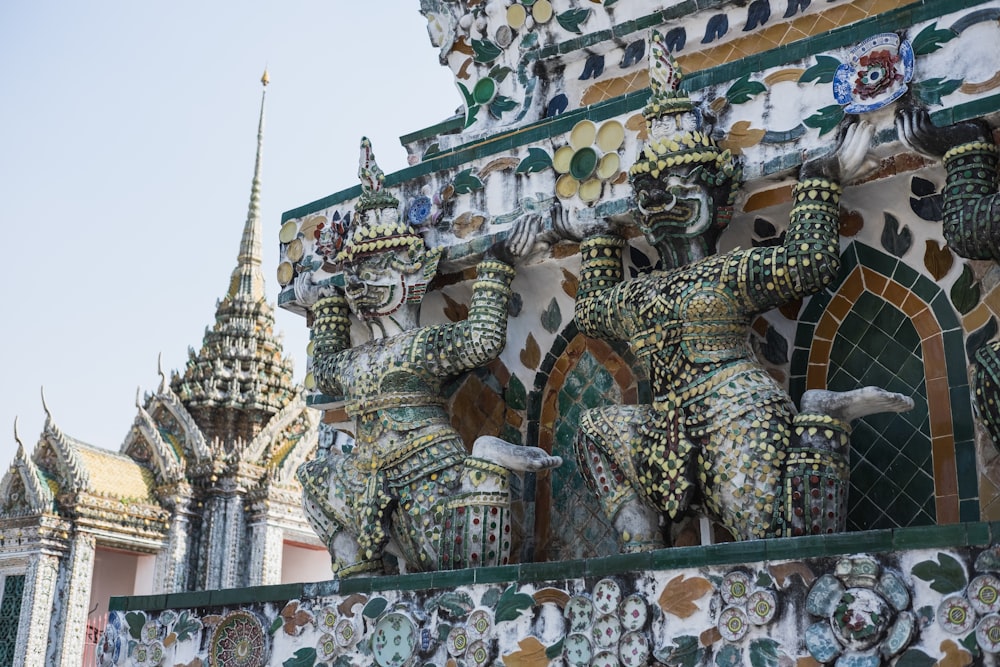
240 377
248 278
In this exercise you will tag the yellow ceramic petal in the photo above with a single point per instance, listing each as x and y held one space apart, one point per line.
542 11
288 231
310 347
566 186
561 159
590 191
295 251
610 136
608 166
582 134
285 273
310 381
515 16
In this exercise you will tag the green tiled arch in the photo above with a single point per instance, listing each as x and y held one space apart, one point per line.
876 343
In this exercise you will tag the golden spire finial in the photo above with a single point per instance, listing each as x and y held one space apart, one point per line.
265 79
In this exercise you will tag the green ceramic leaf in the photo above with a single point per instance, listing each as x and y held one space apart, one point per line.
500 104
466 182
946 574
492 595
764 653
516 394
965 291
764 580
499 73
275 625
512 604
343 661
729 656
375 607
135 621
470 115
470 101
552 317
930 91
825 119
822 71
186 626
970 644
608 3
686 652
896 239
304 657
485 51
571 20
537 160
554 651
914 657
930 40
456 604
743 90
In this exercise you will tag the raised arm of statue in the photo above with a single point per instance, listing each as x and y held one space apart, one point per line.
481 337
601 274
331 335
809 259
971 203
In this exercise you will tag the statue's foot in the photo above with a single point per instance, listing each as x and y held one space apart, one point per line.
514 457
850 405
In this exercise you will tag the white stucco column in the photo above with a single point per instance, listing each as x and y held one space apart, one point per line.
171 575
266 550
74 595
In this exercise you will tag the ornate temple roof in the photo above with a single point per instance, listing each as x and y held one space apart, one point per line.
240 367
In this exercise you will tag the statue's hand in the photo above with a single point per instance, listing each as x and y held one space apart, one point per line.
850 160
916 131
571 228
523 242
307 292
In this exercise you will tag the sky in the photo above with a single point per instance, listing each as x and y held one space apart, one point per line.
127 139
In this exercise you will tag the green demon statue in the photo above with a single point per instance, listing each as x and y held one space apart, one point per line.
409 485
720 431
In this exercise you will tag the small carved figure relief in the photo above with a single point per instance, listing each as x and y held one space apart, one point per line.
971 217
409 485
719 428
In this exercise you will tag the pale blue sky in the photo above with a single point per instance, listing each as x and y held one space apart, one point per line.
127 137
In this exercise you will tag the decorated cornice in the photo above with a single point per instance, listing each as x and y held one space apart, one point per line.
56 455
22 489
195 445
145 444
240 366
287 440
